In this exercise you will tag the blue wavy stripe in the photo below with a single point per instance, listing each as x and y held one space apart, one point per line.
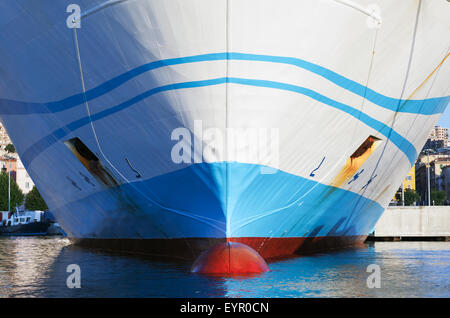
402 143
425 107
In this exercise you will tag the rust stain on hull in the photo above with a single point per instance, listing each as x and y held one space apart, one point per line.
355 161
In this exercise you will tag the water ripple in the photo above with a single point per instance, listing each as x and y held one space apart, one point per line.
36 267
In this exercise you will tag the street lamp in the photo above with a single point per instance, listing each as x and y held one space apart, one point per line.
9 181
403 193
428 176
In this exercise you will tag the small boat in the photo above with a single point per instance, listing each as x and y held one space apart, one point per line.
19 223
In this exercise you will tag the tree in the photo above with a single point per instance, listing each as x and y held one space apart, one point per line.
16 194
438 197
411 196
10 148
34 201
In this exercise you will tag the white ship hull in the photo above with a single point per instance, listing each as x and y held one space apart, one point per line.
324 75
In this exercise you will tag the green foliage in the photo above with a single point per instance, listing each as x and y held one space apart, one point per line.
16 194
438 197
411 196
10 148
398 195
34 201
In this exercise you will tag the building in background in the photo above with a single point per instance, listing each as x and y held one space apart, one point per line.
435 155
11 163
437 139
4 138
439 133
408 183
445 182
23 180
8 164
437 162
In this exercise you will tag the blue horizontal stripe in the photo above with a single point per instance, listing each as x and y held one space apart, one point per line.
402 143
425 107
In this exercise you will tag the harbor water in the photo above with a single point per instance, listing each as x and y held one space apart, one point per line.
38 267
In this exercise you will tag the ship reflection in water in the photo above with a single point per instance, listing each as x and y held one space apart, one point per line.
36 267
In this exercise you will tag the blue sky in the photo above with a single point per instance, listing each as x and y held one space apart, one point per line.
444 121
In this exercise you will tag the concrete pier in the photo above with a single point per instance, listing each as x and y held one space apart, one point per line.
413 223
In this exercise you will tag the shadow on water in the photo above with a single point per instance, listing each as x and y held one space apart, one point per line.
37 267
115 274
